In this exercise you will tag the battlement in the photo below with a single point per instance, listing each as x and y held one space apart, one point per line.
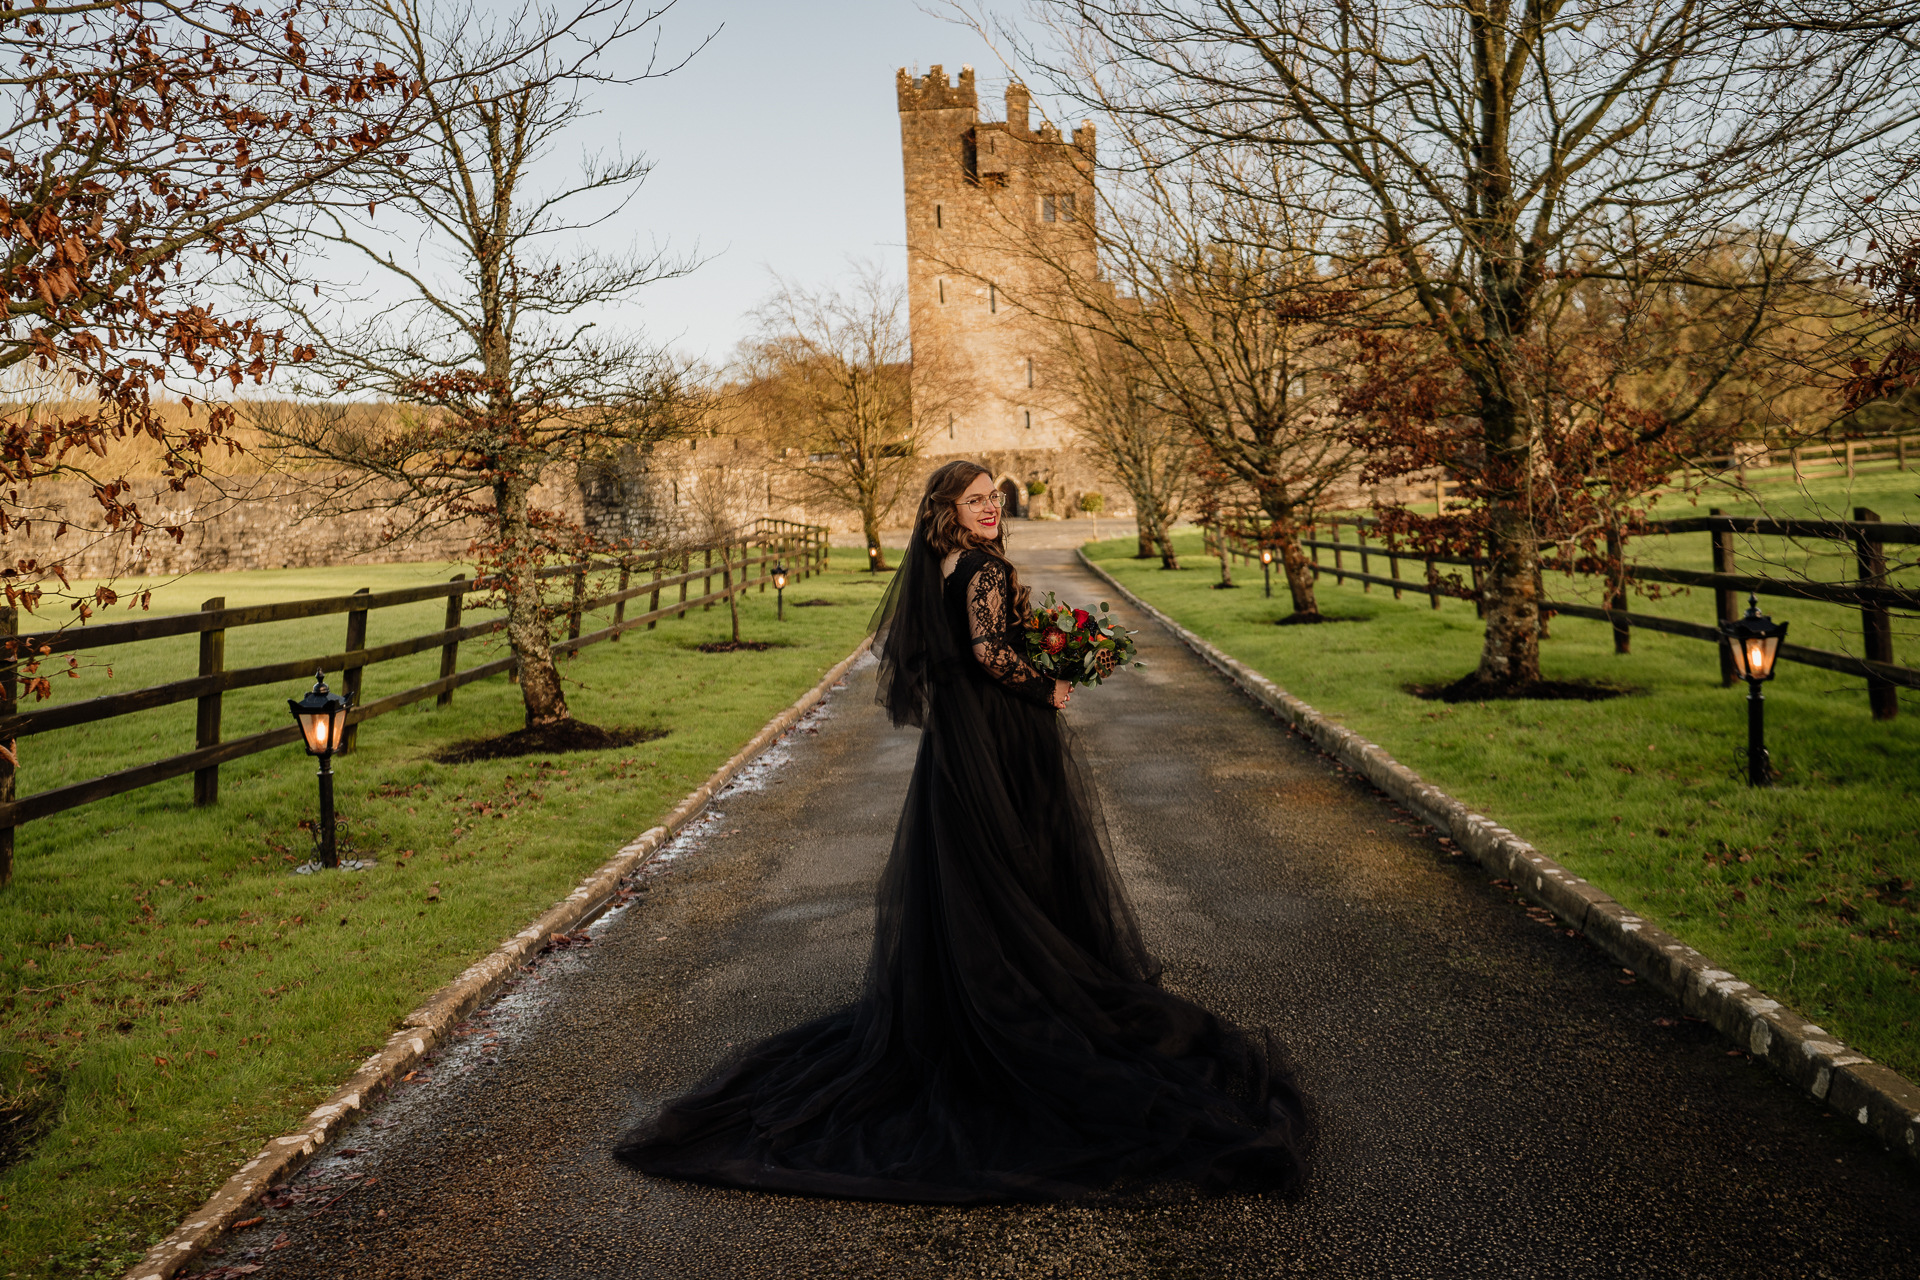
931 92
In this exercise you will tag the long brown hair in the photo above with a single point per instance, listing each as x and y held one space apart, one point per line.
939 517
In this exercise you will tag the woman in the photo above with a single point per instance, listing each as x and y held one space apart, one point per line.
1012 1041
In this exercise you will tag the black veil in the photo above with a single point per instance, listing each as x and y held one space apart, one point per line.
911 636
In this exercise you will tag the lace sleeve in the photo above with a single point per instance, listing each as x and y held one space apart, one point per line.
987 619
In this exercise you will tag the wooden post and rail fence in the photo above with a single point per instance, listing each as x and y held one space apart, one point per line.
1870 591
802 548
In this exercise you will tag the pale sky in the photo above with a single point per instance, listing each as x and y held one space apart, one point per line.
779 147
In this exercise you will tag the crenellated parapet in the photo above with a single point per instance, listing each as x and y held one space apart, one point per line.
932 92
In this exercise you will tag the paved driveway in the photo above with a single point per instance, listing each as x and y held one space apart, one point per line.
1495 1100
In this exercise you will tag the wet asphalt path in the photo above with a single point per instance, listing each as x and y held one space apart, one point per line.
1494 1100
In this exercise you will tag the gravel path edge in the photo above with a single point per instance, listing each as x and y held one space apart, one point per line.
431 1023
1818 1064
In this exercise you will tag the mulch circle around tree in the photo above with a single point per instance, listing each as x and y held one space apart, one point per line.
737 646
1472 689
1308 619
546 739
816 604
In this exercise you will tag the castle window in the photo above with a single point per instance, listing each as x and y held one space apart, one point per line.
943 290
1057 208
936 217
1047 209
993 298
1029 370
1029 419
949 426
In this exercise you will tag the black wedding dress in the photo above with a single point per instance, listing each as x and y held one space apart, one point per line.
1012 1041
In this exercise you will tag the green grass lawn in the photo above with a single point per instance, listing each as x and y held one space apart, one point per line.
175 996
1804 889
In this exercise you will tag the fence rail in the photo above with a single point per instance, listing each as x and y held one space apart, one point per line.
803 548
1800 462
1868 593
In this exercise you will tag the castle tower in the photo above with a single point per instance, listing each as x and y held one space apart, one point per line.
985 199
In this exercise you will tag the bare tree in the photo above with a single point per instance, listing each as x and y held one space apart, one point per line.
1230 308
1500 152
839 384
1120 416
486 329
725 485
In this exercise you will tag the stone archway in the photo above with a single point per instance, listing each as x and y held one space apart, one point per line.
1014 493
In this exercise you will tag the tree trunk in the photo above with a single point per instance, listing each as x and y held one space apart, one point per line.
1162 534
1143 525
870 530
1226 561
1298 570
540 689
726 584
1510 658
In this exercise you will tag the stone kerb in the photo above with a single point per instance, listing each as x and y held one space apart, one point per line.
1819 1064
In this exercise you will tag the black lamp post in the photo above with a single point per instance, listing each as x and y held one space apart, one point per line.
1266 568
873 559
322 717
780 588
1755 642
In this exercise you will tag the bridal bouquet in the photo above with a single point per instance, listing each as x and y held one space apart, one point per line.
1076 646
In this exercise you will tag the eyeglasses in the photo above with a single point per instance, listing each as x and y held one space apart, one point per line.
973 504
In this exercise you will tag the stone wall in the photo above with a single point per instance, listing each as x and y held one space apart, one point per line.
244 522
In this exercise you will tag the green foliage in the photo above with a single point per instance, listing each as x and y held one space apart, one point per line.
1093 503
1805 889
176 996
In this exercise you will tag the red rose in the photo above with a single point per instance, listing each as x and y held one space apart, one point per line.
1053 640
1081 618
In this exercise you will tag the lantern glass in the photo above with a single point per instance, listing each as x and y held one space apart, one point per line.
1754 642
322 717
779 577
1266 555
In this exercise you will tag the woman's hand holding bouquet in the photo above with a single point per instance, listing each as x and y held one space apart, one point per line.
1075 645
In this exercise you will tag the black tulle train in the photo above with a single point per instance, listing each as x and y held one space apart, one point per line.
1011 1041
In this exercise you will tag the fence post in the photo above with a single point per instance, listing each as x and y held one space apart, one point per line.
1393 566
1900 453
706 583
350 679
620 607
1794 453
1849 447
1727 603
1617 592
9 628
450 653
206 723
1360 534
686 567
1876 623
1339 565
574 608
653 601
1433 584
